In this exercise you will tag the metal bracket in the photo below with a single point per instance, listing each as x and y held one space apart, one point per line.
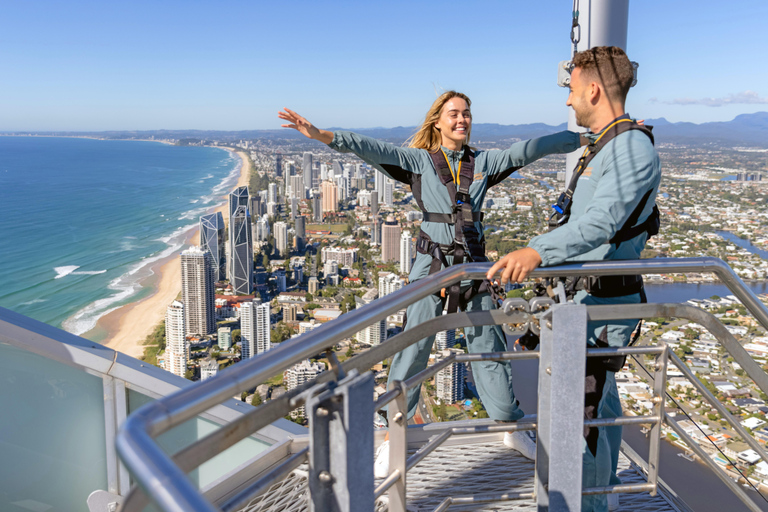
512 305
103 501
564 68
341 445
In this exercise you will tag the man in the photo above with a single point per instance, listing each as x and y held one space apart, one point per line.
614 192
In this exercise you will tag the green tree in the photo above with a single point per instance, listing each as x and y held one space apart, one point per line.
243 396
235 335
256 400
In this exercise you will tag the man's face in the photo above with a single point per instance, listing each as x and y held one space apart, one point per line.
577 99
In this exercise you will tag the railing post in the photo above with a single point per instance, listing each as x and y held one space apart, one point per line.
398 446
562 364
341 445
659 394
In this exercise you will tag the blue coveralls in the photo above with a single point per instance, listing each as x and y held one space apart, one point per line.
493 379
606 195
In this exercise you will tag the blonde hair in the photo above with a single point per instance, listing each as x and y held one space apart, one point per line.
427 136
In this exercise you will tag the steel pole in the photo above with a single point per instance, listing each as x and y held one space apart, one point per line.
603 23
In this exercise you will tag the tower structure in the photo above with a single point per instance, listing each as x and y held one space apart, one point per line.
197 291
241 252
281 238
301 234
175 339
375 238
406 252
254 329
330 197
300 374
278 165
212 240
390 240
238 197
306 170
450 380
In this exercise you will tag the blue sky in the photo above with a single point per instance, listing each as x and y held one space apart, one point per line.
141 65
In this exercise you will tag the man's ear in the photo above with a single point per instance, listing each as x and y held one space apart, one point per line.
594 92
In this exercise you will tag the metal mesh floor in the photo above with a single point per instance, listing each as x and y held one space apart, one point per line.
460 470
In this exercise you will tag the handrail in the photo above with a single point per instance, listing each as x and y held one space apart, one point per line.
167 485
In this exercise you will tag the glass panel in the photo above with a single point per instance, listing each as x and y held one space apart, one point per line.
194 429
52 433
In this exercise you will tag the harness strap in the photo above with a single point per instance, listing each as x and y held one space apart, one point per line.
450 218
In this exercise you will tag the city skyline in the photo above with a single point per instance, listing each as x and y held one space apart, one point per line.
95 67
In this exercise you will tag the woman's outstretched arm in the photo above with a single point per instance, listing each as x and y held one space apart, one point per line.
375 152
304 127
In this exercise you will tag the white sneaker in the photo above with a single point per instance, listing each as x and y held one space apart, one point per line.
613 502
381 466
520 441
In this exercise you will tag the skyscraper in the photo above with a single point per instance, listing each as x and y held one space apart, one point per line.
406 252
278 165
317 208
175 340
375 238
330 197
197 291
378 185
301 234
241 252
306 170
254 329
238 197
272 193
389 282
212 240
390 240
389 187
450 380
300 374
281 238
375 333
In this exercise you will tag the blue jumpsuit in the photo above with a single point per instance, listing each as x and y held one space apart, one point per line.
493 379
607 193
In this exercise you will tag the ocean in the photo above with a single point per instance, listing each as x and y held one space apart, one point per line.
82 220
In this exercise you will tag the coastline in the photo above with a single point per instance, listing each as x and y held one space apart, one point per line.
128 326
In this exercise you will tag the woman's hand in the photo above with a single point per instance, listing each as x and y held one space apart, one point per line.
304 127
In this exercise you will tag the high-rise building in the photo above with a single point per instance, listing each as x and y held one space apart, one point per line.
389 282
208 368
258 206
450 380
254 329
261 229
445 339
375 333
364 198
406 252
224 339
241 252
272 193
340 255
278 165
298 375
175 339
342 186
238 197
297 187
337 168
375 232
301 234
212 235
389 187
330 197
378 185
306 171
294 208
313 285
198 292
280 280
298 272
317 208
281 238
390 240
289 312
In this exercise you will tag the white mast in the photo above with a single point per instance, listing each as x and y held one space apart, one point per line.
601 23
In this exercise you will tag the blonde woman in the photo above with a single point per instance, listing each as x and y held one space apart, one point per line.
449 181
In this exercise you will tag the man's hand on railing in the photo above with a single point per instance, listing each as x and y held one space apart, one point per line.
517 265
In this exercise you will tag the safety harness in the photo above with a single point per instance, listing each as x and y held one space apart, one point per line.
468 244
608 286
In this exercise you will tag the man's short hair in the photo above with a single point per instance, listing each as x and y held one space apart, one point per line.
608 65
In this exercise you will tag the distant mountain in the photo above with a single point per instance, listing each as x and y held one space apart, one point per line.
745 129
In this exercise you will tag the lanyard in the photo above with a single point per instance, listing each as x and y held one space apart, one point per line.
456 175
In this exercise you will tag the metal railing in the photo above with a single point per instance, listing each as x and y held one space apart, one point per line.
163 479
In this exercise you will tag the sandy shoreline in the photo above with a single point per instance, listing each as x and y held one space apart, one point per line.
128 326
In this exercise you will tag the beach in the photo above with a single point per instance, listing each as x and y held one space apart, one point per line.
127 327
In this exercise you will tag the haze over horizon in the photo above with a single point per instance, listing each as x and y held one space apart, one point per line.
89 66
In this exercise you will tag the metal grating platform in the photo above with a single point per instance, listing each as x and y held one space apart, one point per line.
461 470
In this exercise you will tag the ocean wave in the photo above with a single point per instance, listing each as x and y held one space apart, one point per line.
64 271
72 270
125 285
193 201
33 301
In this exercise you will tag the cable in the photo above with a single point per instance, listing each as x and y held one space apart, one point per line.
702 433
